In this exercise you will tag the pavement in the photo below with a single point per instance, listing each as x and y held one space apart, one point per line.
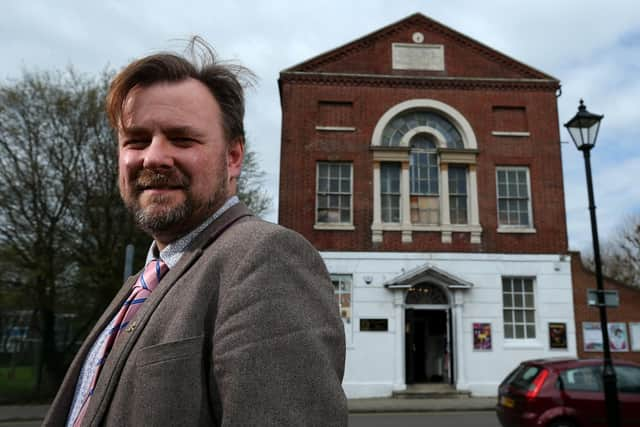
13 413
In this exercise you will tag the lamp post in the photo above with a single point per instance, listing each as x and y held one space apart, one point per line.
583 128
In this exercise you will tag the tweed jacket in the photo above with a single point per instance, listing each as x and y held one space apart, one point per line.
243 331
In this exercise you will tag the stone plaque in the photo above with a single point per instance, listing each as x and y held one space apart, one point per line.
428 57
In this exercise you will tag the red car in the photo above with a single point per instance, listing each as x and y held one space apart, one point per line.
566 393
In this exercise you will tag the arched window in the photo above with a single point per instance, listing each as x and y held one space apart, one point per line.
426 293
405 122
424 172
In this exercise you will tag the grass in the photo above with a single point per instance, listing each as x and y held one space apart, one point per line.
16 383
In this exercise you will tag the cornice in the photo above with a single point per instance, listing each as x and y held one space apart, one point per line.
432 82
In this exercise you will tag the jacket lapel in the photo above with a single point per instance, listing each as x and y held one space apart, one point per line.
121 350
62 403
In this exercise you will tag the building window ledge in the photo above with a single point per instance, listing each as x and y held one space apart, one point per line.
515 344
408 230
517 230
336 128
338 227
516 134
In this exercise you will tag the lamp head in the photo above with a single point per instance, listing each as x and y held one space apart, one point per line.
584 127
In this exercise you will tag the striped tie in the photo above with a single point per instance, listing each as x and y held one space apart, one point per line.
146 283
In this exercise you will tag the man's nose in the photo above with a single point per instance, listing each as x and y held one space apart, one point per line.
158 154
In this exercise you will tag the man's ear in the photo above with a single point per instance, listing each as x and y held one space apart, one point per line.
235 156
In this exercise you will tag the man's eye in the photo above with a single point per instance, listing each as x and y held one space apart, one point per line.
183 140
135 143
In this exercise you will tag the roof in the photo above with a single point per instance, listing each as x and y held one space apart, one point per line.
571 362
427 273
351 58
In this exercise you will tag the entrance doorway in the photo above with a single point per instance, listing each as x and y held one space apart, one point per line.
427 344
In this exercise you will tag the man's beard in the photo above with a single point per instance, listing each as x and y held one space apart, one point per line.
160 218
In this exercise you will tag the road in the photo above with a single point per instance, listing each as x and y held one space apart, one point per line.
427 419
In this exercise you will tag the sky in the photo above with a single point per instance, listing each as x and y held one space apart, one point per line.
592 47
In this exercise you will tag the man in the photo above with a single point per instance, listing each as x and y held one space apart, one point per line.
233 322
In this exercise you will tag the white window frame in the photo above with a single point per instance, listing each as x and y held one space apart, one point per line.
392 194
348 321
334 225
466 195
400 152
523 308
515 228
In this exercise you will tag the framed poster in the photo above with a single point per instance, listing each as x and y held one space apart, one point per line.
558 335
634 332
482 336
592 336
618 340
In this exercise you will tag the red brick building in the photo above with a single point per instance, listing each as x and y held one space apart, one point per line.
333 104
426 168
627 315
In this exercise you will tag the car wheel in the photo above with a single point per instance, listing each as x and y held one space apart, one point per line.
562 423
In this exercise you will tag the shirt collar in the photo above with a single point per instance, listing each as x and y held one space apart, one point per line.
172 253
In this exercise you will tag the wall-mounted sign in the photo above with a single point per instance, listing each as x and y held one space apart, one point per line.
634 331
592 336
558 335
618 336
482 336
611 298
374 325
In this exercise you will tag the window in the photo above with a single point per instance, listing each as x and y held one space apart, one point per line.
586 378
628 379
342 291
424 173
458 194
423 168
390 191
334 193
518 308
514 202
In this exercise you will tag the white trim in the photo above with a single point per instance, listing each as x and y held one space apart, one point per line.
405 225
516 230
516 134
440 139
457 119
333 226
336 128
428 306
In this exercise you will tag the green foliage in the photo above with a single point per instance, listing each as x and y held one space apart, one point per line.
16 384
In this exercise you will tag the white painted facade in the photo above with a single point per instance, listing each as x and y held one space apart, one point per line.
375 364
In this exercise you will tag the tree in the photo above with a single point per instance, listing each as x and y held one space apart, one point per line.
63 227
621 254
250 189
60 217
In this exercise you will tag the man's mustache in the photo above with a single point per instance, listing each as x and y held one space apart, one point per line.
149 178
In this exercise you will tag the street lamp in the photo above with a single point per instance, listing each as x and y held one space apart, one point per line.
583 128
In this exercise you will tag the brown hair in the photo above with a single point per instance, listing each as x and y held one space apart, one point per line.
225 81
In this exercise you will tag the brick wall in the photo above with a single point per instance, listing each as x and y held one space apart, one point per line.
629 310
486 87
303 145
